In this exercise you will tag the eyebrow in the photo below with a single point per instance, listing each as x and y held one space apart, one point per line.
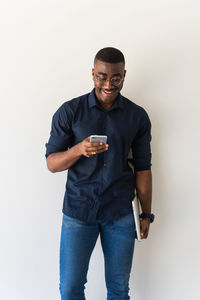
117 74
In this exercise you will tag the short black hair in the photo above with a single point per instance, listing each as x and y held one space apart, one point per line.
110 55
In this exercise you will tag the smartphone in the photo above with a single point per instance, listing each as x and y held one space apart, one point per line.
98 138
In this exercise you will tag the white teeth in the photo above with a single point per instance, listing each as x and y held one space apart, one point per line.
107 92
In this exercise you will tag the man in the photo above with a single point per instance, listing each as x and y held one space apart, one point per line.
101 185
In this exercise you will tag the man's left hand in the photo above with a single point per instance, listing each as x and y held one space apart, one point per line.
144 228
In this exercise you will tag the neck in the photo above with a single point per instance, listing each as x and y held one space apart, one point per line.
106 106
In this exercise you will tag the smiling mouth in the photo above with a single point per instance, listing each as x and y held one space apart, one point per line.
108 92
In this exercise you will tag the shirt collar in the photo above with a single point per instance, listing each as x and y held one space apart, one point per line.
92 101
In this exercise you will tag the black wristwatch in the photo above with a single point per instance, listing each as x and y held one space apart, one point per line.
145 215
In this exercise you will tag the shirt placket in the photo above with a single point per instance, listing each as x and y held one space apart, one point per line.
104 162
95 204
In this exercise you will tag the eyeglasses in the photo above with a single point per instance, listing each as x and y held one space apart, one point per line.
114 80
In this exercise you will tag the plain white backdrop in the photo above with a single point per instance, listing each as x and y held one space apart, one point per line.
47 51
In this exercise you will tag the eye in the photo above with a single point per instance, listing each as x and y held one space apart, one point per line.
116 79
100 78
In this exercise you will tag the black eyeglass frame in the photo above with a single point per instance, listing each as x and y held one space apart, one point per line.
112 80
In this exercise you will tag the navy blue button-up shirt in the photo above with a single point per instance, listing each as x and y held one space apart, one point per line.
101 187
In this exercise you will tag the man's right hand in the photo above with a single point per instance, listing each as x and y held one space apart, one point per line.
63 160
90 149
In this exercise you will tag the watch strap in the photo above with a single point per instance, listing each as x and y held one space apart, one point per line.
146 215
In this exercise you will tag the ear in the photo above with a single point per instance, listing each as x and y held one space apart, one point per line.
93 73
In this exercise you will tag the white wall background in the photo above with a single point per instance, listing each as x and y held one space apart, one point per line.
47 50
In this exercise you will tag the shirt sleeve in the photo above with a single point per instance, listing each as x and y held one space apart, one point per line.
141 147
61 133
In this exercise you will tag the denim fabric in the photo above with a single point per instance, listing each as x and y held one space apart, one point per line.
78 239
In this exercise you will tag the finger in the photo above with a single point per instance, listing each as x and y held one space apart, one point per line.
97 148
93 153
142 229
100 151
141 233
98 145
95 144
141 226
146 230
94 148
144 234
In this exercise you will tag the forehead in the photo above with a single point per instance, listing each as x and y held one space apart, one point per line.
108 68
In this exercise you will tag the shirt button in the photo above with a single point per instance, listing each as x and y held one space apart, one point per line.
104 165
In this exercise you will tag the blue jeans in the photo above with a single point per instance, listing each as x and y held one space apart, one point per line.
77 242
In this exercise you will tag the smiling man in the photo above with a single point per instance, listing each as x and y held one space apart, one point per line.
100 184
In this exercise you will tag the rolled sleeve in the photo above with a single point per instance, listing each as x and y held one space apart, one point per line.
141 147
61 133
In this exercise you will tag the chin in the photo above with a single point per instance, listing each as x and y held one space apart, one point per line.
107 97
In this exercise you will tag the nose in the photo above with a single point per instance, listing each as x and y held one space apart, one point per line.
108 85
